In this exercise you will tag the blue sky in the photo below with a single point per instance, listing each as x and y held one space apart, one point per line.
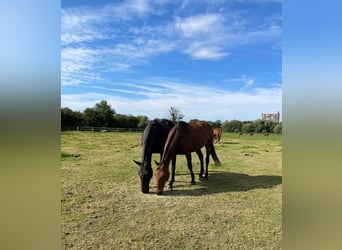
213 60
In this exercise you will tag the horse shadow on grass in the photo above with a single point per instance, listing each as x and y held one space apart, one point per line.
222 182
227 142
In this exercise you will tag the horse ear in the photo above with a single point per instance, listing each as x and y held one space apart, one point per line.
157 163
138 163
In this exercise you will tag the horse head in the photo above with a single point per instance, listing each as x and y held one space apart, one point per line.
145 173
162 175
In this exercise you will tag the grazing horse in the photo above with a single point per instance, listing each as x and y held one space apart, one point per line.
185 138
217 134
153 141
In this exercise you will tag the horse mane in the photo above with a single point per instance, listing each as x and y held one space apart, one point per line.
147 137
177 128
165 122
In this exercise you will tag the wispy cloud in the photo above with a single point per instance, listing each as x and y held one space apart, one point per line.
205 51
79 25
194 101
195 26
82 24
203 35
245 81
207 36
77 65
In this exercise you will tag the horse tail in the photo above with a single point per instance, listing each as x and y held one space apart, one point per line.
214 155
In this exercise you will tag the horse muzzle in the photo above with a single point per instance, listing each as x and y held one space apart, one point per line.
145 190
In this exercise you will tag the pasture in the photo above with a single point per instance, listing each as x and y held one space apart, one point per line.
239 207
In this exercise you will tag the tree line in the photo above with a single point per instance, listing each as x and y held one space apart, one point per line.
103 115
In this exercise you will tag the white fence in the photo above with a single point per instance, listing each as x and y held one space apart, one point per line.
100 129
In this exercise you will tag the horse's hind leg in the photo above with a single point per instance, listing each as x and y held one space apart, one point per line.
207 155
200 156
188 158
173 171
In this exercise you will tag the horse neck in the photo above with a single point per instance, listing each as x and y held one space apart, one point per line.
147 140
147 154
167 158
149 145
170 149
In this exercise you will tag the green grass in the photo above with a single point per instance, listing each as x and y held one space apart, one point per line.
239 207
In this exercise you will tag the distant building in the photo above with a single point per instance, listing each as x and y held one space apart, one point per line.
275 117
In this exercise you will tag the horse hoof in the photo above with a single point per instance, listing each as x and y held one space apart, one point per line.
169 187
193 183
159 193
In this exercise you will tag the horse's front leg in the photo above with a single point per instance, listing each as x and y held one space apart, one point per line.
188 158
200 156
173 172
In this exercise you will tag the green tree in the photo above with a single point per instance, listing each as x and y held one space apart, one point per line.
260 126
216 124
247 127
101 115
278 129
143 121
175 114
194 120
232 126
126 121
91 117
71 118
106 113
273 125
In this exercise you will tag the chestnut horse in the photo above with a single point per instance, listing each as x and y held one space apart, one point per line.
153 141
185 138
217 134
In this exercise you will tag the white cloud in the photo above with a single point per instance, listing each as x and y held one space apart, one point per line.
92 44
193 101
213 36
200 50
203 36
140 7
247 82
269 34
128 10
81 24
208 36
77 65
199 25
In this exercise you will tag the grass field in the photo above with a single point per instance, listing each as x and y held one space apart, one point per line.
239 207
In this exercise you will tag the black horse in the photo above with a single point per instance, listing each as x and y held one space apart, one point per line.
153 141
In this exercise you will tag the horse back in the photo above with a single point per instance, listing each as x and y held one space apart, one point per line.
190 137
201 133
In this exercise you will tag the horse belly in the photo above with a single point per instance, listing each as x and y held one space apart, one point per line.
198 143
188 148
